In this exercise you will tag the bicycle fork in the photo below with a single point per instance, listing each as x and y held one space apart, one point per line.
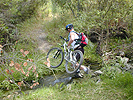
57 53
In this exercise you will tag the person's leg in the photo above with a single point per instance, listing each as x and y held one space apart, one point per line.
78 57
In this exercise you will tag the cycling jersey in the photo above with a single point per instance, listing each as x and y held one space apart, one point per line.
74 44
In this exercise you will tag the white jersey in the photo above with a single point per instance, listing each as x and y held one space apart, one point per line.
74 42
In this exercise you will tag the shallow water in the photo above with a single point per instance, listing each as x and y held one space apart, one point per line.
59 79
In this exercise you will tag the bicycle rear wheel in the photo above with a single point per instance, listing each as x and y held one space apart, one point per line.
55 56
74 65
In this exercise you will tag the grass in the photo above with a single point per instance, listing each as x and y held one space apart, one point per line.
85 90
28 35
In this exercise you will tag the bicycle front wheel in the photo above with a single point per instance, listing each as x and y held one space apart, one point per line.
55 56
74 64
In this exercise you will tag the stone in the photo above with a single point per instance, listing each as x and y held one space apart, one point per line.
124 60
98 72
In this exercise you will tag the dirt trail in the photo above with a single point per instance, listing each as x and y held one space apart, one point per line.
41 37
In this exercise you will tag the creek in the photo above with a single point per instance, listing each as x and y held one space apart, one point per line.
63 78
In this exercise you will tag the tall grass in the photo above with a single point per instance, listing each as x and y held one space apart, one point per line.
123 81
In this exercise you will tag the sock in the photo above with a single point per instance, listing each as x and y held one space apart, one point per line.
78 71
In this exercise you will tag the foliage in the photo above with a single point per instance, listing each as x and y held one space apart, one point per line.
14 12
101 15
115 77
6 85
85 15
97 13
22 69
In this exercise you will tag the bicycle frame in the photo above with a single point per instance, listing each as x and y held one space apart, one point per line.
66 53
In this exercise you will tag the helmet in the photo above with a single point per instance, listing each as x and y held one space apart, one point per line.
69 26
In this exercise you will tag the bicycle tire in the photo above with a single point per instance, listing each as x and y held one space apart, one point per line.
55 56
70 67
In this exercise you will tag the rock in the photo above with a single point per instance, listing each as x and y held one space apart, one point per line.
124 60
98 72
128 67
93 75
117 64
115 69
99 80
107 56
121 53
118 57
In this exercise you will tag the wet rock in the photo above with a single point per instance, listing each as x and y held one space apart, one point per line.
63 78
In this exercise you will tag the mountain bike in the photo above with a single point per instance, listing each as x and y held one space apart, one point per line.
73 58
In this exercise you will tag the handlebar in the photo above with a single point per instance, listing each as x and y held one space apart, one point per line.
65 44
63 38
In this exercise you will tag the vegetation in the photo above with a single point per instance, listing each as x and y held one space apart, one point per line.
12 13
81 90
108 25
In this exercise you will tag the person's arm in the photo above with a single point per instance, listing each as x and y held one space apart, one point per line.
72 37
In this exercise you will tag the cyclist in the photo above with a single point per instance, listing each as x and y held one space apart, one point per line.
71 37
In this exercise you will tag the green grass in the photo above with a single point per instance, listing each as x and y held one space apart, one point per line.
85 90
123 82
119 88
28 37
